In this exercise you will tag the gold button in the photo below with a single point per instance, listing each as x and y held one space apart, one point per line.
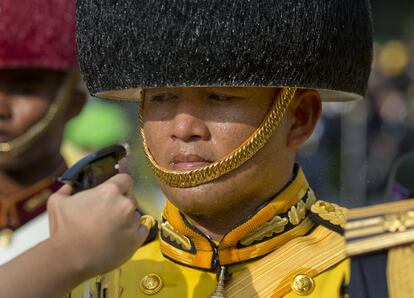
302 284
151 283
5 237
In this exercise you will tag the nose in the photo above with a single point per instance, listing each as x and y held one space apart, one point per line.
189 124
5 109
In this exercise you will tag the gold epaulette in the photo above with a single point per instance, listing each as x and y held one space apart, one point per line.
379 227
330 215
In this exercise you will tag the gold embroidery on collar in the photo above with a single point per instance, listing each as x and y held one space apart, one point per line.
169 232
298 212
331 212
8 204
6 237
37 201
277 225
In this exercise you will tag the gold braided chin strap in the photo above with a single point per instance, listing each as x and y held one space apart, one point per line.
22 143
230 162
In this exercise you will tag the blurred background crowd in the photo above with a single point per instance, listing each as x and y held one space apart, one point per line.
352 153
355 145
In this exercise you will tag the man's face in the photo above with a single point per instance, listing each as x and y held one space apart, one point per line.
25 96
188 128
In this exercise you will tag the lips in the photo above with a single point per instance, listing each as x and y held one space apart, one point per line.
5 129
186 162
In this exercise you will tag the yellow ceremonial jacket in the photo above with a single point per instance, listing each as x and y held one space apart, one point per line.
292 247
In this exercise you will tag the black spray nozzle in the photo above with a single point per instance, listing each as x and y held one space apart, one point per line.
94 169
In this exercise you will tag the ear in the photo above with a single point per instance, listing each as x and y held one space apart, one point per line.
76 104
306 112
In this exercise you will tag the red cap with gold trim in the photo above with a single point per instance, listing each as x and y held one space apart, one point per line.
37 34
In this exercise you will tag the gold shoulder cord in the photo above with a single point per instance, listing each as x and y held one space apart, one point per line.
228 163
272 275
400 273
23 142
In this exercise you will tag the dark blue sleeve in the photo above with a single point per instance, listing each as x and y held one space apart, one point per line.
369 276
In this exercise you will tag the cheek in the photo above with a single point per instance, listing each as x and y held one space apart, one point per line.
235 127
228 136
28 111
156 135
155 132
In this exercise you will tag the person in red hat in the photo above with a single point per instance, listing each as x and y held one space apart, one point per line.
39 93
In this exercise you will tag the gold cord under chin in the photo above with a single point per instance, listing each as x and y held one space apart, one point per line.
22 143
230 162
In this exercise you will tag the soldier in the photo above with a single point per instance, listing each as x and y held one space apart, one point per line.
39 76
228 92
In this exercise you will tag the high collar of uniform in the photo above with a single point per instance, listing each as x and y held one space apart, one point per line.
20 207
280 220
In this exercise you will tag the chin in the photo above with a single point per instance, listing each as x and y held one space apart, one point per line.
198 199
8 162
213 197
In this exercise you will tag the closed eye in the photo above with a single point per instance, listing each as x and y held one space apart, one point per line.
163 97
221 97
25 88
